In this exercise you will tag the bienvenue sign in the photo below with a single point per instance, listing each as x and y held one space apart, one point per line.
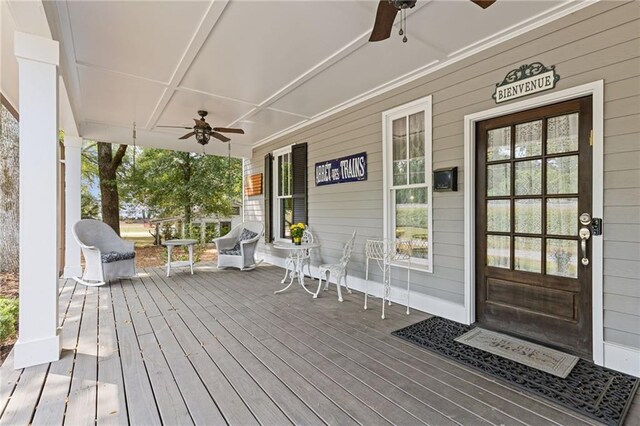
526 80
346 169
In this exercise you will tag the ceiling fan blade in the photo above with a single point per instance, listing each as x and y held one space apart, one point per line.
228 130
200 123
385 16
484 3
176 127
217 135
188 135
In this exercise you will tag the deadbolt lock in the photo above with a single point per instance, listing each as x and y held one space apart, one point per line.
585 219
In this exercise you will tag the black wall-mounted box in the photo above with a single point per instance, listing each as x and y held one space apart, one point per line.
445 179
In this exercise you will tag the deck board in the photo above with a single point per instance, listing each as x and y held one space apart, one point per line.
218 347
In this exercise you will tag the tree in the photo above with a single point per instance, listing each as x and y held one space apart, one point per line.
171 183
108 164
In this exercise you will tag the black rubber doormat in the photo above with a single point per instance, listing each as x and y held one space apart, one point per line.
596 392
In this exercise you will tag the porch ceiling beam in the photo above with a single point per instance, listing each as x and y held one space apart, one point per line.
202 33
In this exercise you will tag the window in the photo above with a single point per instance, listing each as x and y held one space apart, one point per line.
283 184
285 195
407 178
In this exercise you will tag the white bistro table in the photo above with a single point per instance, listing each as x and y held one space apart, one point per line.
298 253
178 264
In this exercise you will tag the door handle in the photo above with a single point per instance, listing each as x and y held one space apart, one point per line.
584 235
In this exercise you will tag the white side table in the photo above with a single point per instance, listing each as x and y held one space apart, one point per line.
178 264
297 256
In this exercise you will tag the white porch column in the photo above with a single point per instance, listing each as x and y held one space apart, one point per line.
39 339
72 158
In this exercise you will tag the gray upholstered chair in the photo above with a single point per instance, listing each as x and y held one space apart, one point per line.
106 255
237 249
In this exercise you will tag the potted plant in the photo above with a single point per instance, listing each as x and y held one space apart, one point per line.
297 229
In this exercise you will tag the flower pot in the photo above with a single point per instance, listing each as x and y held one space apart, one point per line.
297 240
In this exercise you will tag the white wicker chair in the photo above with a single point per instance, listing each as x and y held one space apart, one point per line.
337 270
107 256
237 250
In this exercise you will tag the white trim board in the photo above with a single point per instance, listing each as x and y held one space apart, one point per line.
622 358
418 301
596 90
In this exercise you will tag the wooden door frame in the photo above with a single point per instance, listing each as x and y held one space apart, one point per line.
594 89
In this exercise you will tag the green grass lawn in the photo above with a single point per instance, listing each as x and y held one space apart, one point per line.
136 232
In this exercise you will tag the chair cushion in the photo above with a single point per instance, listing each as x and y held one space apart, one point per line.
114 256
246 234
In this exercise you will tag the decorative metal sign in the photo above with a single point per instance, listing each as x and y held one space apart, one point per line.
346 169
526 80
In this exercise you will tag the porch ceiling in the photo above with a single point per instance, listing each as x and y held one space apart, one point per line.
265 66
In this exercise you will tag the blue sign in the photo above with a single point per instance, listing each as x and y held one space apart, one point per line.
346 169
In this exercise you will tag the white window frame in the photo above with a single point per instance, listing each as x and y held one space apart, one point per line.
425 105
277 213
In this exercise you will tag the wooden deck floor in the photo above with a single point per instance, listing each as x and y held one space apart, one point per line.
219 347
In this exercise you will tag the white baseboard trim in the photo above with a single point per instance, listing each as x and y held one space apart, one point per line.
35 352
72 271
421 302
622 358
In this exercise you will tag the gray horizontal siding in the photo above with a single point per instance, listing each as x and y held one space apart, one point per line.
598 42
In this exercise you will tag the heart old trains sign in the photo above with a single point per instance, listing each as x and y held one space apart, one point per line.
346 169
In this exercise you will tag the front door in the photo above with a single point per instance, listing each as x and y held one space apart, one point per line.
533 183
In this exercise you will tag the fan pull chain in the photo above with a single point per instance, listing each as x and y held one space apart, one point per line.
404 26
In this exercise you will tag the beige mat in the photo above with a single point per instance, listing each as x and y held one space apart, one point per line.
536 356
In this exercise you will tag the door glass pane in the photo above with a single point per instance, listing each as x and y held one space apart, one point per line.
499 251
562 258
528 139
400 151
562 134
529 177
499 144
528 254
562 216
499 180
411 214
498 215
528 215
416 148
562 175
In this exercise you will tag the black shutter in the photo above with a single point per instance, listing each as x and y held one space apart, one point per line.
268 198
299 172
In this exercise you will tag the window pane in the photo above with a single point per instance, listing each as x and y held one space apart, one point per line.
529 177
284 175
499 180
528 139
286 219
499 215
562 134
528 215
499 144
400 151
562 175
411 215
499 251
528 254
416 148
562 258
562 216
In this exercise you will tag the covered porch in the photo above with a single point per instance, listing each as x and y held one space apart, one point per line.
219 347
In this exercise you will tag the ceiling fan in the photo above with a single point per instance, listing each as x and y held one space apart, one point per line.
387 11
203 131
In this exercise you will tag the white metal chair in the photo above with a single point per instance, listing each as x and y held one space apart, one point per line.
237 249
289 263
106 255
337 270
